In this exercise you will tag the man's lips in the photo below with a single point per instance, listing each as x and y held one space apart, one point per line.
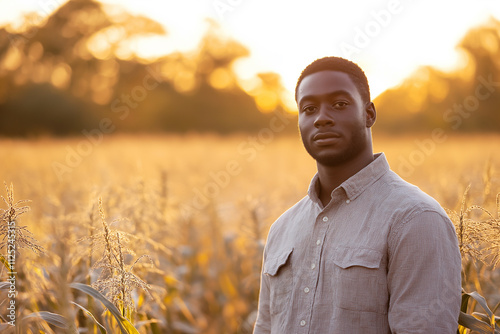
325 138
325 135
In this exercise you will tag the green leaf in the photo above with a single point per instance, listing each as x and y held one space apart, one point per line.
87 312
125 326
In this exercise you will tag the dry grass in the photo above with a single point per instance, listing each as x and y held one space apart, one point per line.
116 280
23 237
200 223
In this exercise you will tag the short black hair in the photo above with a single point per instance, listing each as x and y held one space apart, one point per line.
342 65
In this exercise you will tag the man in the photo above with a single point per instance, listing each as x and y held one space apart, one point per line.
364 252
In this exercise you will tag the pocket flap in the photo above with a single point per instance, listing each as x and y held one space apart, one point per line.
348 257
272 265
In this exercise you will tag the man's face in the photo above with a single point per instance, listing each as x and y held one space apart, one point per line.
334 121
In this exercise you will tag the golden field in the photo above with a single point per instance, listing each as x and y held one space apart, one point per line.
199 207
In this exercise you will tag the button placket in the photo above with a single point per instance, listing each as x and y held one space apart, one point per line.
314 256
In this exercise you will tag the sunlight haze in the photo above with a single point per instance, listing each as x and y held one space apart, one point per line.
389 39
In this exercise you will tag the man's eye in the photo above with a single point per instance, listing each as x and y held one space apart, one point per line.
340 104
309 109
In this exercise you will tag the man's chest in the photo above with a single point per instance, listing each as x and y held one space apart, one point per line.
333 259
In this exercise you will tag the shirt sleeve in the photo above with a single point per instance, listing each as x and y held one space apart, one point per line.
263 322
424 275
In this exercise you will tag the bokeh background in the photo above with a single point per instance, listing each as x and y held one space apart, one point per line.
173 124
67 65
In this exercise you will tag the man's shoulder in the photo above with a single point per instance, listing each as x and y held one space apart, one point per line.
408 200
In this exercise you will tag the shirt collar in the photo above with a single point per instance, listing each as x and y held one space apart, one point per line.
357 183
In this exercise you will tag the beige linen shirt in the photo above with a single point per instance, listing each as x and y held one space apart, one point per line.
381 257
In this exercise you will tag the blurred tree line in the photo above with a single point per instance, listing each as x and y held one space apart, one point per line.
66 73
465 100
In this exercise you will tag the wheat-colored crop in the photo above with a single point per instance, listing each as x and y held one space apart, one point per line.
117 280
167 197
23 238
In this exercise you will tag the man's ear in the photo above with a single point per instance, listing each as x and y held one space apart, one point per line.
371 114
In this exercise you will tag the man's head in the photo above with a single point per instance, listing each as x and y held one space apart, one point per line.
342 65
335 112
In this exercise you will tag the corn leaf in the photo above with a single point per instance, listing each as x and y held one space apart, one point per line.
465 301
481 316
53 319
125 326
4 285
146 322
5 262
129 327
479 326
88 313
461 330
496 307
481 301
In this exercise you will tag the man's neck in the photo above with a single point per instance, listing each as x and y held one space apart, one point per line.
330 177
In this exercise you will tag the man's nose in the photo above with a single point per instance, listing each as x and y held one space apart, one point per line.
324 117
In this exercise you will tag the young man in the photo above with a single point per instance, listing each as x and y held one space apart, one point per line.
364 251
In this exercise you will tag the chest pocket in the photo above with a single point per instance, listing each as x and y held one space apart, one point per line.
358 281
357 257
280 274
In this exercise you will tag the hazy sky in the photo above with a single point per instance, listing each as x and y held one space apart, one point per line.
389 39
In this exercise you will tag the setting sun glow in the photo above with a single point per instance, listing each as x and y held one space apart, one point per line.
390 39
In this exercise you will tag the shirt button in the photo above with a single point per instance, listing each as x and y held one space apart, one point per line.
348 201
306 290
313 265
303 323
325 218
318 242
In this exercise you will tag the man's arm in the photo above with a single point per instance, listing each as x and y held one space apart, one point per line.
263 323
424 275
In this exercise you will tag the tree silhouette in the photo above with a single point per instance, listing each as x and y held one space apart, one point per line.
464 100
65 74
